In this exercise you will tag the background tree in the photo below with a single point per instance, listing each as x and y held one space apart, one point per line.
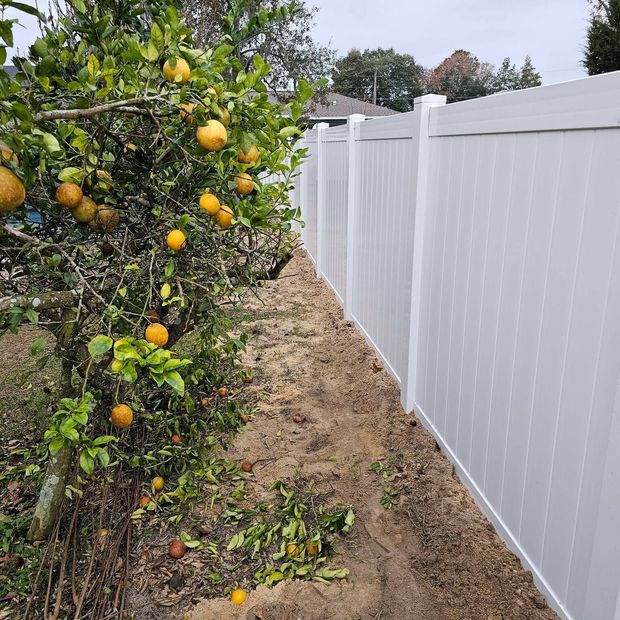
508 77
602 53
397 77
286 44
460 76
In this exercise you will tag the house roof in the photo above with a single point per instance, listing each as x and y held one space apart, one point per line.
336 106
341 106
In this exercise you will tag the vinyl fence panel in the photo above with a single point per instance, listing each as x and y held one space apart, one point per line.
480 244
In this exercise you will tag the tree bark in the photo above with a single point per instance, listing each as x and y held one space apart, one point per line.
59 465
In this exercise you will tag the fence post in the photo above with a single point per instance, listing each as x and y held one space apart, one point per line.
421 140
353 121
320 155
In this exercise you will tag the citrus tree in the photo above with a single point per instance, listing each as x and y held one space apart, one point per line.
134 202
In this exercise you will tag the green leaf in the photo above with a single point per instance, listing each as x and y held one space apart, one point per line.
157 38
104 457
174 379
38 345
165 291
71 175
103 439
86 462
93 65
51 144
287 132
100 345
26 8
56 445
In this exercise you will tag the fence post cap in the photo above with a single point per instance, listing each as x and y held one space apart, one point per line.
432 99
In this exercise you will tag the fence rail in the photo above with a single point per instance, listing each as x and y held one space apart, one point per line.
475 245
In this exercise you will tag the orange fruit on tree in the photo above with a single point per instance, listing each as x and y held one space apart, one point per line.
144 501
224 216
209 203
246 466
106 219
85 211
176 439
212 136
175 239
250 157
238 596
292 549
122 416
179 74
244 182
157 483
222 392
12 191
205 401
177 549
186 113
245 418
69 195
157 334
312 548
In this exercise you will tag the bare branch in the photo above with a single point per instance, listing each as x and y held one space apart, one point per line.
40 301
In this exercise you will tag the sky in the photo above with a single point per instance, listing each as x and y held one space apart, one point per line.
552 32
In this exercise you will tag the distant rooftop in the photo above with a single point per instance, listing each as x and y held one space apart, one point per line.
337 106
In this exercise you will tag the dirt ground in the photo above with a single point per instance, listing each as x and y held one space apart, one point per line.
431 556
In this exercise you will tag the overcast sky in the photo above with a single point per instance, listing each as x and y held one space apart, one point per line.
552 32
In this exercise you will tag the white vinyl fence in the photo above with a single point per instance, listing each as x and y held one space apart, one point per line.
475 245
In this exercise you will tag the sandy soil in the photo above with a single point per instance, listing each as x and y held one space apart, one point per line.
432 556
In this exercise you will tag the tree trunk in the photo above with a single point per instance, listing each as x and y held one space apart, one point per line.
59 465
52 494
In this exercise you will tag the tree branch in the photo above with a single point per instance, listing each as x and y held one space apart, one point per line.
122 106
42 301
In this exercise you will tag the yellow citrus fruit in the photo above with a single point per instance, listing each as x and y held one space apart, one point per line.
223 392
244 182
122 416
157 334
69 195
224 216
175 239
145 500
224 116
250 157
180 73
85 211
106 219
311 548
7 155
292 550
209 203
186 113
12 191
212 136
238 596
157 483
